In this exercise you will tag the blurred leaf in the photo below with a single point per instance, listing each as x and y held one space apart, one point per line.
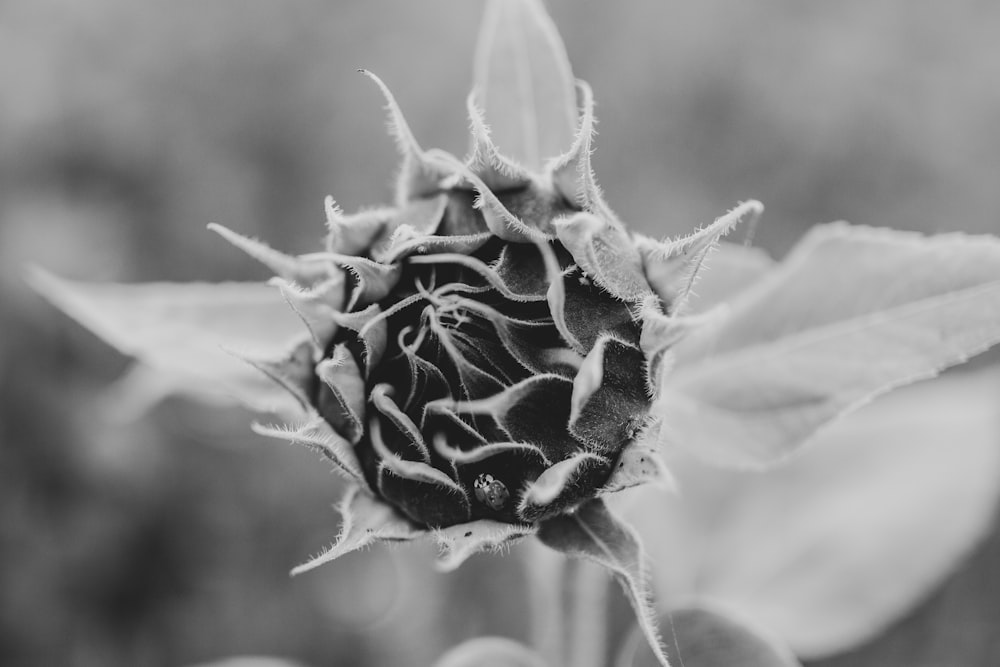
845 539
702 637
592 532
851 313
250 661
490 652
727 271
524 82
184 330
955 626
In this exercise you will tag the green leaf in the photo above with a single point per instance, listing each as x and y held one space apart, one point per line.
490 652
851 313
183 330
847 537
702 637
592 532
524 82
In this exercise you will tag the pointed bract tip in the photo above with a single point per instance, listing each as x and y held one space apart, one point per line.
531 110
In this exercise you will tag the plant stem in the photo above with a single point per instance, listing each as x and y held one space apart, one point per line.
588 615
546 572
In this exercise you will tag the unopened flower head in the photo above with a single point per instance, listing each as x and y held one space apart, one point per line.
488 347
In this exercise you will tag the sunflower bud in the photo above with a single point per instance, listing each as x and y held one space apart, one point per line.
486 352
478 377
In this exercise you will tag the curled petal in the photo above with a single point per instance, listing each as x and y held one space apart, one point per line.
418 176
672 267
522 268
346 387
373 280
405 245
459 542
497 171
427 382
474 379
382 400
499 219
292 372
288 267
372 330
563 485
317 435
422 500
590 313
485 451
537 206
534 410
461 218
412 229
609 384
583 312
411 470
572 172
606 252
639 463
315 305
536 345
365 520
422 492
423 216
556 297
588 380
518 273
355 234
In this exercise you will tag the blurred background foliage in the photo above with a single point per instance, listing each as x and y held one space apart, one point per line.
126 126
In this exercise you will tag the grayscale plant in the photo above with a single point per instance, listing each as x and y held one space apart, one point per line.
493 354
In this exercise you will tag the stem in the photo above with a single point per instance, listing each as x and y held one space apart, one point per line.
588 615
546 569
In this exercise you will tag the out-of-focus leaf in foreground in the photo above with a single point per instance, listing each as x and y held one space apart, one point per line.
829 549
189 332
490 652
851 313
702 637
524 82
250 661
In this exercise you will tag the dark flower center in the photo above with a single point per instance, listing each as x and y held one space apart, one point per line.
470 398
